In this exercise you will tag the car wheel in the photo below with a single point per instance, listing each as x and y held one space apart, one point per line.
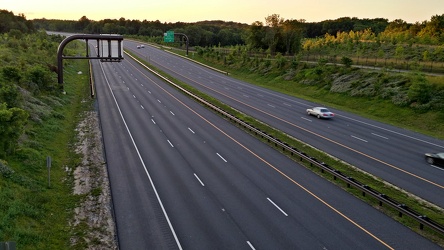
430 160
319 116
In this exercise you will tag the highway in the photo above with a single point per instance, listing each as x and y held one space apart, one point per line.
393 154
184 178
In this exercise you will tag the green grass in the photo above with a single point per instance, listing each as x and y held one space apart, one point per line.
33 213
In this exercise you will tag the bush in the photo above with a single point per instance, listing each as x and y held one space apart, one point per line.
420 92
31 158
347 62
5 171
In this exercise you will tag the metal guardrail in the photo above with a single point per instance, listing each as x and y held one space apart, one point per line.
383 199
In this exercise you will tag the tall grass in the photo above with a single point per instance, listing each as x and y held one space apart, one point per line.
35 210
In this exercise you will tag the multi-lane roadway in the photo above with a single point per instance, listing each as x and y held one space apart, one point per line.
387 152
184 178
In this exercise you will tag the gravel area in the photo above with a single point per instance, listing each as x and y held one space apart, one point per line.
94 215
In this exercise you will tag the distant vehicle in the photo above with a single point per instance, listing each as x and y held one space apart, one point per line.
320 112
142 46
138 46
436 159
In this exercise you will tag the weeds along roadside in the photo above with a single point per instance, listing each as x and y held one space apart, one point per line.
35 209
378 184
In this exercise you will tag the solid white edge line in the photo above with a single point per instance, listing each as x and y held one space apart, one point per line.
143 164
280 209
197 177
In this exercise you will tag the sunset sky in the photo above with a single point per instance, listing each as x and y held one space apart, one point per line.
243 11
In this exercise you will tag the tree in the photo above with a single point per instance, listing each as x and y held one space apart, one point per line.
82 23
11 73
346 61
420 91
9 94
273 33
434 30
41 77
292 33
12 124
255 38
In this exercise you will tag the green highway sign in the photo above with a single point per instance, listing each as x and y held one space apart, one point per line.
168 37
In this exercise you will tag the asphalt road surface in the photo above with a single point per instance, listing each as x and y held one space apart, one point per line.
184 178
393 154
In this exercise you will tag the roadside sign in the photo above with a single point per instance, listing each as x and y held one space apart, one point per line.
168 37
110 49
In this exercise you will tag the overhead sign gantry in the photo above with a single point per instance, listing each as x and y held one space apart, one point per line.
109 48
168 37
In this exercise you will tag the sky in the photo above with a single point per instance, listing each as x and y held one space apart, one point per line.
242 11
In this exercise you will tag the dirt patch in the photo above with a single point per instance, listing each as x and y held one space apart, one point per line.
93 217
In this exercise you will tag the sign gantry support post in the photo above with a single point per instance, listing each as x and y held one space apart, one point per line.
186 37
107 50
168 37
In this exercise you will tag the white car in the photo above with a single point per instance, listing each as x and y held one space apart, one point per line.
320 112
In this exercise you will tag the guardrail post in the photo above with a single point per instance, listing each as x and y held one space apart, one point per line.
401 206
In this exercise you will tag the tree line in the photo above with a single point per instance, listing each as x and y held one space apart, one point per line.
276 34
28 54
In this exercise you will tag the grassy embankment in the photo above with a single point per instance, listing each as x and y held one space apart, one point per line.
430 122
35 211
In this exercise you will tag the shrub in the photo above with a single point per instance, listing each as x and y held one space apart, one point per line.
347 62
5 171
420 92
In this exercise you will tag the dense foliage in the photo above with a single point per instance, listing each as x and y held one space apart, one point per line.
275 34
27 62
8 22
37 121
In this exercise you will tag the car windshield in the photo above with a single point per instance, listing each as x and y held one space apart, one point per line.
325 110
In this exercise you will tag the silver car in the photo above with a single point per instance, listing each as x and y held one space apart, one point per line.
320 112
